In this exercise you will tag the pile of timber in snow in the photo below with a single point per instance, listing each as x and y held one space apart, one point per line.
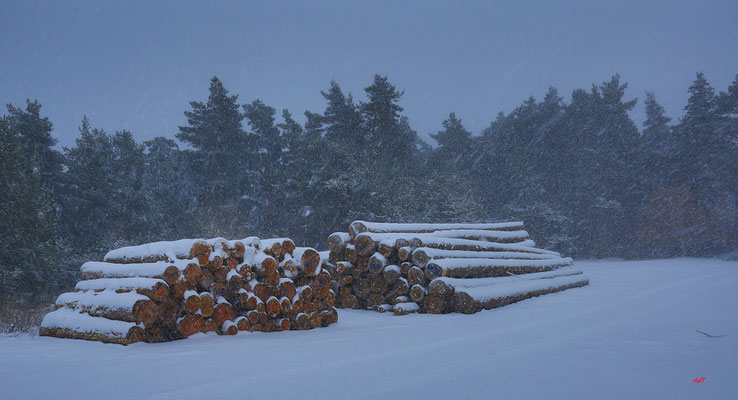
441 268
170 290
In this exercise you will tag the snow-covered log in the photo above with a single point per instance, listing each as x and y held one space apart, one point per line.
167 271
483 235
472 299
377 262
310 260
129 307
483 267
155 289
277 247
463 283
422 255
72 324
405 308
358 227
337 241
152 252
191 324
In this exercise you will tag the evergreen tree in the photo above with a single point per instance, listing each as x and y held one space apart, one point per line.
222 165
32 253
270 198
165 183
88 198
454 140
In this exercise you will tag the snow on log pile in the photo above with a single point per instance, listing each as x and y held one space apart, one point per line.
165 291
441 268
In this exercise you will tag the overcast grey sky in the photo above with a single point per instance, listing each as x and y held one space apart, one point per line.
136 65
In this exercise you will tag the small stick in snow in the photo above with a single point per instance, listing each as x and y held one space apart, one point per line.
511 274
708 335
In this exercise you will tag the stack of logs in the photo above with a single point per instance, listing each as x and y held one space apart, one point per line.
171 290
441 268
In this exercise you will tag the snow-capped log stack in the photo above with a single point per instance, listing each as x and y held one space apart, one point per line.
171 290
441 268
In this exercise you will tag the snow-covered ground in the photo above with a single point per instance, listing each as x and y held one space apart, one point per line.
629 334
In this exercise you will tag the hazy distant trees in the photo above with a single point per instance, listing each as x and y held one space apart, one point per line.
580 174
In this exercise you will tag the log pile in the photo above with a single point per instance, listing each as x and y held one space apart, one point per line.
442 268
171 290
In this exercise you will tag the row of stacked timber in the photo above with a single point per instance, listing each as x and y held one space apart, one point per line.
164 291
441 268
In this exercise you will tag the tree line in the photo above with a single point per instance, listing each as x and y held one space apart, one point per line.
583 177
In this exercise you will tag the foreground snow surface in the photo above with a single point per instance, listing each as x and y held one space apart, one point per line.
629 334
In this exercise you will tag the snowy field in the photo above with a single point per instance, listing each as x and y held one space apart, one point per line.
629 334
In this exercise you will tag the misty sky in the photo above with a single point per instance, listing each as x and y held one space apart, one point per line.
136 65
